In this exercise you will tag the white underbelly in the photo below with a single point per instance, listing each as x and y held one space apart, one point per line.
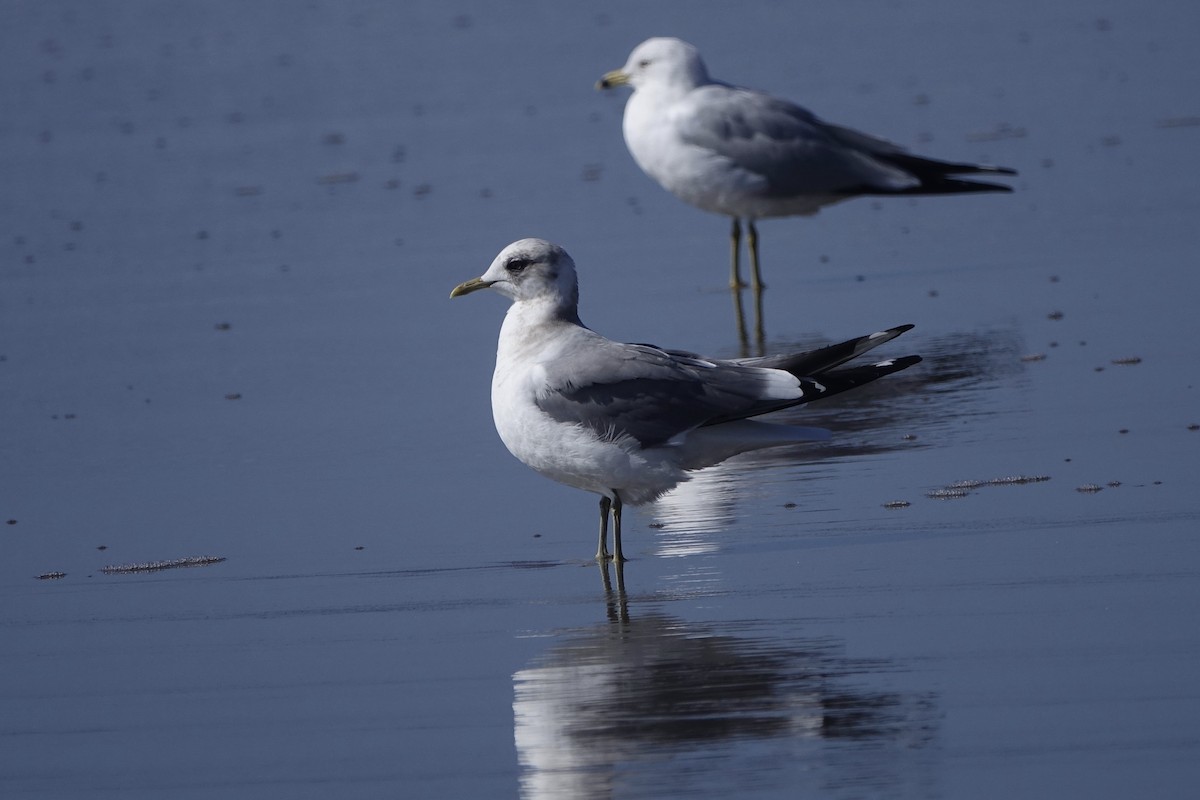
716 184
575 455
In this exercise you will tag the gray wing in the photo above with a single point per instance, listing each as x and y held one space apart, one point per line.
652 395
794 151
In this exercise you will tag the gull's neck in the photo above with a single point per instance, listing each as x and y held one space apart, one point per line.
527 320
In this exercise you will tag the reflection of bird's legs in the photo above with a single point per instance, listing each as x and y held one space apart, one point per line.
735 246
617 555
760 335
617 603
752 240
602 550
739 316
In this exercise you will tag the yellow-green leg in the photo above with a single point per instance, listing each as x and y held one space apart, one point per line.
735 248
602 548
756 276
618 555
607 505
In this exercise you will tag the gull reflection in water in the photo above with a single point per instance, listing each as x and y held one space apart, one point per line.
652 705
694 509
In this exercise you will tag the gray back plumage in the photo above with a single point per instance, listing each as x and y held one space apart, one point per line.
652 395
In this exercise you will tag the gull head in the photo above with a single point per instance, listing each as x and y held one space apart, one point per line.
661 61
530 270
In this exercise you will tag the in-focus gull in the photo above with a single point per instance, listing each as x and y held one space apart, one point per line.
748 155
629 421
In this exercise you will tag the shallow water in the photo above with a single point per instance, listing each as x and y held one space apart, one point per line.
229 236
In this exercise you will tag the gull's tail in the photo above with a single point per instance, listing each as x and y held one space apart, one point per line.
817 372
817 362
713 443
819 377
941 177
932 175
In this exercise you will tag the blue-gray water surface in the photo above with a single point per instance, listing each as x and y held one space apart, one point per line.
229 231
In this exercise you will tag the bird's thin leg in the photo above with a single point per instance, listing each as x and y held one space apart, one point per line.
602 549
618 556
735 248
752 240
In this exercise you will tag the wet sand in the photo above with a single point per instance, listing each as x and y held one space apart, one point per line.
224 336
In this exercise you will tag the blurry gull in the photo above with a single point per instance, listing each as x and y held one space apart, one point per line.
629 421
748 155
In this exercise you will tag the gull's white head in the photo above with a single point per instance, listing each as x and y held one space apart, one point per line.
662 62
530 270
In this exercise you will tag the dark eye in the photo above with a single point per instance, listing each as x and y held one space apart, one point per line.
517 265
645 62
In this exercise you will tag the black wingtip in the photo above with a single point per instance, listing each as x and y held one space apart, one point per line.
940 177
904 362
821 360
865 343
837 381
881 368
957 186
